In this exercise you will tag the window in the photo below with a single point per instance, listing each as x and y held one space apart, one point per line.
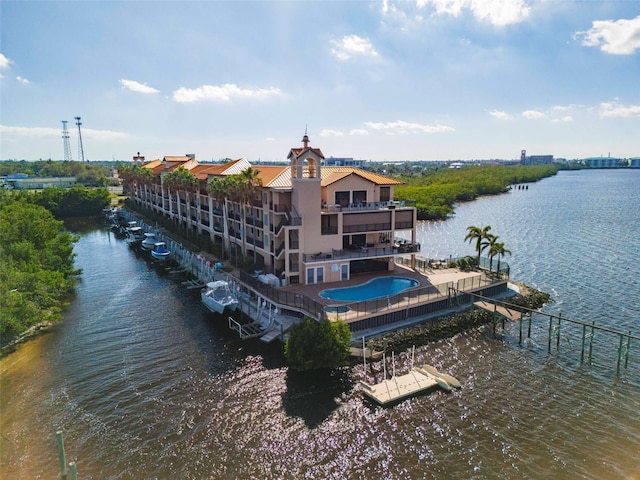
344 271
385 194
315 275
359 196
342 199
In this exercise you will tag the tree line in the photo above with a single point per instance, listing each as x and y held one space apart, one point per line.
37 272
435 192
94 174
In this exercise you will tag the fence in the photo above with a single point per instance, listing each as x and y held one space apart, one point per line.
574 341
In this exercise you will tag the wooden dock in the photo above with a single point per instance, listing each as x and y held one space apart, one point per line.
493 308
398 388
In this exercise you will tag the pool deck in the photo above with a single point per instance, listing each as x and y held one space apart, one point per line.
427 278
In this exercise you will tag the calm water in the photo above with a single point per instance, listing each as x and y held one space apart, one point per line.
376 288
146 384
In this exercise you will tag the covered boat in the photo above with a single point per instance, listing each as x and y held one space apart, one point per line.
160 251
218 295
149 241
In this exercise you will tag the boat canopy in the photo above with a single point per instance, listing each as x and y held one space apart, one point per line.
217 284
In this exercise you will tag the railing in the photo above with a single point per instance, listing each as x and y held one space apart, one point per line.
277 208
361 252
367 227
404 225
595 345
382 311
359 207
284 297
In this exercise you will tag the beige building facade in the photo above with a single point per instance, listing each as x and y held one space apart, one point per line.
306 223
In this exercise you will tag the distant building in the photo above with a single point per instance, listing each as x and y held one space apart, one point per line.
535 159
38 183
344 162
602 162
634 162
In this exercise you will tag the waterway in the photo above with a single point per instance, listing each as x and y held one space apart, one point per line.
145 383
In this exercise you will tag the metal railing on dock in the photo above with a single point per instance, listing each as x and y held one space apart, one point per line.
596 344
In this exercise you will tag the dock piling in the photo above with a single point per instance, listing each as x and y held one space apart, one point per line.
73 471
61 454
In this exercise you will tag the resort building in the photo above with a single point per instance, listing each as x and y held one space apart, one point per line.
304 222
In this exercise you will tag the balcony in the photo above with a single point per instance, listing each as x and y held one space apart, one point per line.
361 207
370 227
361 252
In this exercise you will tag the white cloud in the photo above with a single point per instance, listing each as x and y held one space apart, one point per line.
351 46
330 133
500 12
449 7
613 109
29 131
496 12
4 61
565 119
222 93
359 131
24 81
620 37
137 86
401 127
499 114
43 132
533 114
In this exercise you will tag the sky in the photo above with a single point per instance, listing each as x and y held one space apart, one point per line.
382 81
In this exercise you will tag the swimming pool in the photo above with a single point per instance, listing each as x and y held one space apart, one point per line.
376 288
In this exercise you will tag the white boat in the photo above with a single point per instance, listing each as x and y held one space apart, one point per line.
149 241
135 234
217 296
160 251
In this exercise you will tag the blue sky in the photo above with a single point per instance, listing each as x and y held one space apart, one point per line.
382 81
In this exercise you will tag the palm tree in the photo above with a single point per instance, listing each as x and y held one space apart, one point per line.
250 182
480 235
497 249
219 189
235 193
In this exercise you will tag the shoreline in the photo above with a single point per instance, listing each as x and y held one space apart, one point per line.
31 333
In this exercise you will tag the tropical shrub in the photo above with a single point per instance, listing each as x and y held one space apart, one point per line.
316 345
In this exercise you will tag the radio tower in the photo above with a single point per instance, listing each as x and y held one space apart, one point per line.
65 139
80 149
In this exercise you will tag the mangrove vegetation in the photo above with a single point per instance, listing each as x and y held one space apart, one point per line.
435 192
37 273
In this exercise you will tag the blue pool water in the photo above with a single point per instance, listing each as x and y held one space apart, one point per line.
376 288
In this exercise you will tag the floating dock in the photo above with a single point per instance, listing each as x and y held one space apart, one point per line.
398 388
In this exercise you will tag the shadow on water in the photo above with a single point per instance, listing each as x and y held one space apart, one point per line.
311 396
